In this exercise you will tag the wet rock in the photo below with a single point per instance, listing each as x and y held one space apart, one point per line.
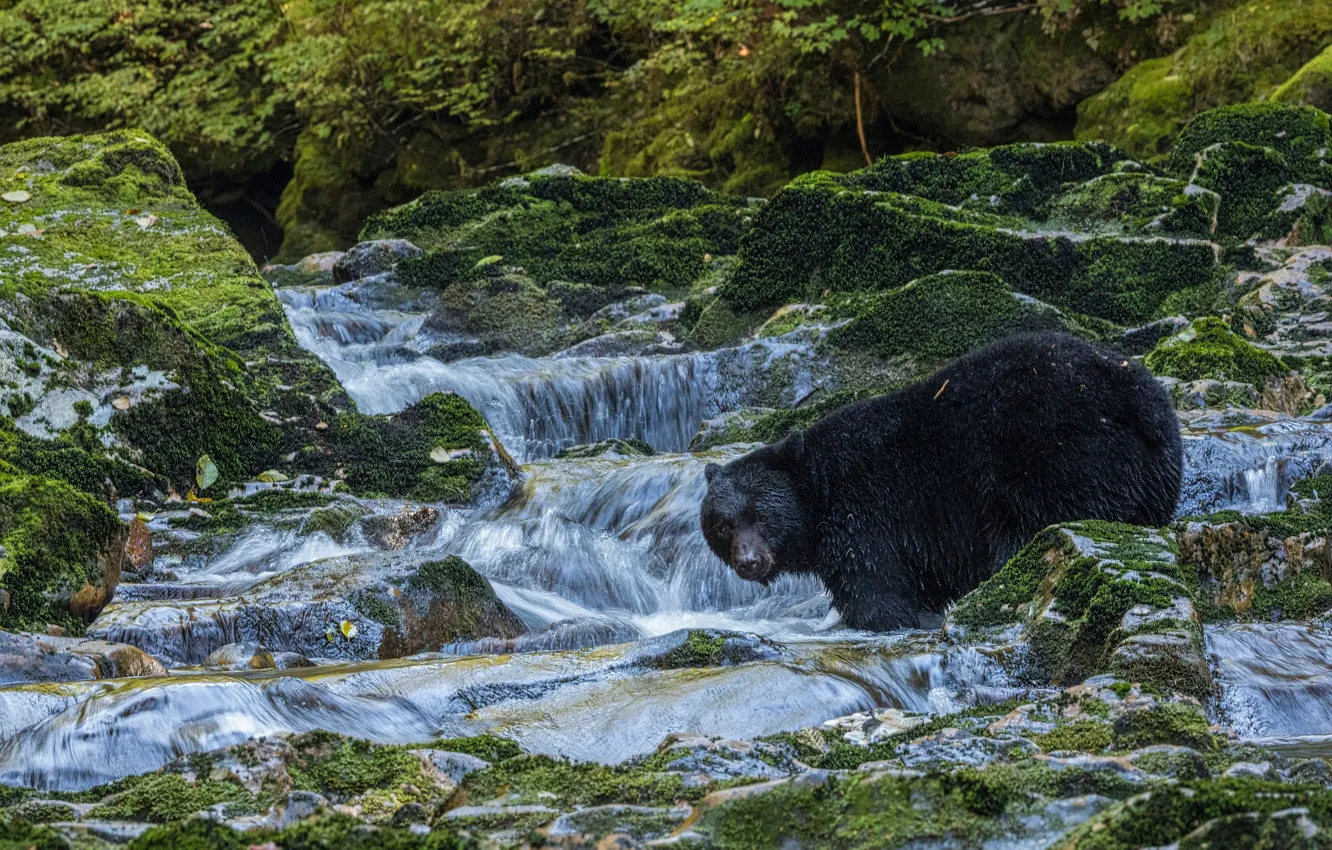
608 448
352 607
705 759
42 658
138 546
241 656
624 825
398 530
454 765
1257 567
1094 598
314 270
370 258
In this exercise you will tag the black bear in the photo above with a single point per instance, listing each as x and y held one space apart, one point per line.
906 501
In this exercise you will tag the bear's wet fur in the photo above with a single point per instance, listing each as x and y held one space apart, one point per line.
906 501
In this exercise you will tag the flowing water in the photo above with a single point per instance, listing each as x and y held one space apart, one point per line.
601 558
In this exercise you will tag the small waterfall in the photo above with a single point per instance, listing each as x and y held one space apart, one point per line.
536 406
1250 469
1276 680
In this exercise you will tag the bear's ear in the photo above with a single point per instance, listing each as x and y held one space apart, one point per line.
793 448
710 471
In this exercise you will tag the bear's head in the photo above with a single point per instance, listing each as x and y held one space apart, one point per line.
753 516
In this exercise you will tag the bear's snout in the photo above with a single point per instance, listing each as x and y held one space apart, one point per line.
750 557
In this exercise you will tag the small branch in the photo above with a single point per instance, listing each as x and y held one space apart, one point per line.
807 396
954 19
860 124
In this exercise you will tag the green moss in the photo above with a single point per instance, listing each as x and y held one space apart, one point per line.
166 797
71 462
333 832
564 784
25 836
341 768
1136 202
1311 85
658 233
1209 349
699 649
1296 133
938 317
1240 52
57 542
1181 724
816 235
1004 597
392 455
1083 736
491 748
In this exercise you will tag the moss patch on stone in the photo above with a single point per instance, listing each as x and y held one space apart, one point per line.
61 550
1209 349
657 233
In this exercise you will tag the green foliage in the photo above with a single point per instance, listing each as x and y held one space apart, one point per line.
1209 349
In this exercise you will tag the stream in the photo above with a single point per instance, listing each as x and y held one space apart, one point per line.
603 561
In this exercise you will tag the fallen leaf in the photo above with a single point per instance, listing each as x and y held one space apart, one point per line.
272 476
205 472
121 402
348 629
439 454
18 196
146 221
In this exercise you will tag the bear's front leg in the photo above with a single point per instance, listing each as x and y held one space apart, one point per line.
874 602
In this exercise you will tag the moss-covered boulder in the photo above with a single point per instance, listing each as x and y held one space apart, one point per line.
146 348
974 212
60 553
1245 52
939 317
143 306
1095 598
352 607
1208 349
660 234
438 450
1311 85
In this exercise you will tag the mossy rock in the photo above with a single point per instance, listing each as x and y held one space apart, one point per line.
1097 597
112 261
657 233
1138 202
939 317
1311 85
60 552
824 233
1298 133
1209 349
440 603
438 450
1236 53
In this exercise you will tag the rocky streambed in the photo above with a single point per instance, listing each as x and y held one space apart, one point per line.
399 547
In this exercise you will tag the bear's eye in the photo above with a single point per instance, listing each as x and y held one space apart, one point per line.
761 517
